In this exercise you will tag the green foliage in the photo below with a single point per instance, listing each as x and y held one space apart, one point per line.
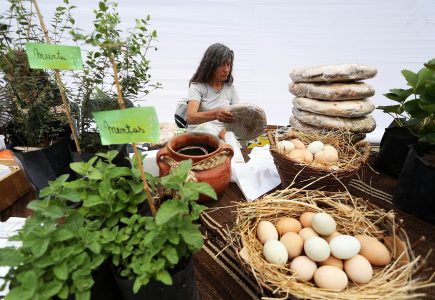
416 105
32 94
56 257
159 243
33 97
95 85
61 246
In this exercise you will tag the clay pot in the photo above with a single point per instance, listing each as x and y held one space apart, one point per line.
218 177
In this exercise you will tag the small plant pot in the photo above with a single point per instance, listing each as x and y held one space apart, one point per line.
47 164
393 149
416 188
183 287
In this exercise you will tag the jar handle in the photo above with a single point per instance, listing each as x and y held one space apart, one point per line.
162 152
227 147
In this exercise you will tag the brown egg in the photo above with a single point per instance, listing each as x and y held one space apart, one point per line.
332 261
307 233
305 218
298 144
358 269
308 156
297 155
266 231
331 278
294 244
243 253
333 235
330 149
288 224
327 156
303 268
372 249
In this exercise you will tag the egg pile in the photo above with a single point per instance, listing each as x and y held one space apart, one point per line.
316 152
316 251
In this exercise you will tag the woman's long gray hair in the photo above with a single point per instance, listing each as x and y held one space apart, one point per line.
214 56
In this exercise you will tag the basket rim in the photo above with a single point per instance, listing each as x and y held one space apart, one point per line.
364 152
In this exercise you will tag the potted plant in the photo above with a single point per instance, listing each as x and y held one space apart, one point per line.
94 87
157 263
63 247
32 101
416 106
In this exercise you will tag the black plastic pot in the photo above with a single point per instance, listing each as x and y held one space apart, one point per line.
105 287
393 149
183 287
47 164
415 192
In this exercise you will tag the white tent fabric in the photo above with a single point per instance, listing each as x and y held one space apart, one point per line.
272 37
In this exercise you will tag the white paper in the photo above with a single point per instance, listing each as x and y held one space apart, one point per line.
258 176
8 229
4 170
149 162
230 138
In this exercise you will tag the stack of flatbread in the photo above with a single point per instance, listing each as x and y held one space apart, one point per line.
333 98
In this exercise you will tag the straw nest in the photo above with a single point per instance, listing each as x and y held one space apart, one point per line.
353 216
351 156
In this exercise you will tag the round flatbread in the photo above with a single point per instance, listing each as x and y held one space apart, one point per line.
342 72
250 121
301 126
356 125
344 108
332 91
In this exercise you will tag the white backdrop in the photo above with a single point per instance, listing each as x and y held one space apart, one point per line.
270 38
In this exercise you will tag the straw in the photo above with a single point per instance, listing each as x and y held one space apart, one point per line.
353 216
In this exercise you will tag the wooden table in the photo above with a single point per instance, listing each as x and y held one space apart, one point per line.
15 193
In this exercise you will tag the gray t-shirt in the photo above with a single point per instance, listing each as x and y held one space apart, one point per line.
210 99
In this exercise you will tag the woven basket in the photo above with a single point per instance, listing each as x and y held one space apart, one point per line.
300 175
354 216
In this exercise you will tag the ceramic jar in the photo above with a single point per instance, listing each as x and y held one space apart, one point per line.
218 177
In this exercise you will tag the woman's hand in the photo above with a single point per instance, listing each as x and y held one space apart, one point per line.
225 116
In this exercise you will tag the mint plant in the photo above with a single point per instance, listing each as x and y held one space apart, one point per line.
62 246
158 244
58 252
415 105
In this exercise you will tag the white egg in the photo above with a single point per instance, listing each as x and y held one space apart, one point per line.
344 246
315 147
317 249
275 252
323 224
285 146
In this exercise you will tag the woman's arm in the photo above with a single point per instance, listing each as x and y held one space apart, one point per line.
195 117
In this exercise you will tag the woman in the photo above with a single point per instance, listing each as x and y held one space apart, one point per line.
211 92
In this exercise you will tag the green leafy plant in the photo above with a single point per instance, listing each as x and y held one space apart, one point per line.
415 108
58 252
33 98
160 243
62 246
95 87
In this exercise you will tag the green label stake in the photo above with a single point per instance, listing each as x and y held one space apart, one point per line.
137 124
59 57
